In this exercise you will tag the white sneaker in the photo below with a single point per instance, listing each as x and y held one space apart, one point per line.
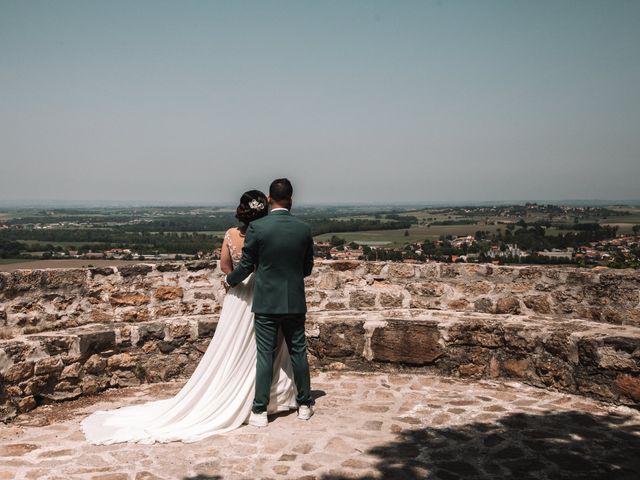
258 419
305 412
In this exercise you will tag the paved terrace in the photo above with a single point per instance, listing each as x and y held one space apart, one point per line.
367 425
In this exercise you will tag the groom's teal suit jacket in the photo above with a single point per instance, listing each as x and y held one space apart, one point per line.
280 247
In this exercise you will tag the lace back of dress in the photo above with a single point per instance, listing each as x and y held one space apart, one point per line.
234 251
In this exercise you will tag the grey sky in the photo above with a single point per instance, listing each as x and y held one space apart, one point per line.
196 101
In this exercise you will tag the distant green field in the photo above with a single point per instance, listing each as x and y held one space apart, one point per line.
9 261
416 234
60 243
421 233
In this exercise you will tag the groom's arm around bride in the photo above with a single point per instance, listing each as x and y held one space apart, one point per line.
279 247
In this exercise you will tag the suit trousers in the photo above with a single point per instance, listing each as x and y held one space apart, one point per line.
266 328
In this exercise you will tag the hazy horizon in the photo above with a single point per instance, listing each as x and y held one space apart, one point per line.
72 204
361 102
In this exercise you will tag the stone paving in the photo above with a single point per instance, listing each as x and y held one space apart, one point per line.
367 425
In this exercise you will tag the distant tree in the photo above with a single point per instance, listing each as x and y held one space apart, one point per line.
336 241
406 233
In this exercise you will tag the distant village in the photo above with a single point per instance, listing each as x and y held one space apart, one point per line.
601 252
503 236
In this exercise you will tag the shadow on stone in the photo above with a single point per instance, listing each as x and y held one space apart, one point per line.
568 445
203 477
316 394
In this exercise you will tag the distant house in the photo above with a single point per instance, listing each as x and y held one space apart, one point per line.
117 252
511 250
346 254
462 241
557 253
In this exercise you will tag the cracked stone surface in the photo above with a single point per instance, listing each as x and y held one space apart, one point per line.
367 425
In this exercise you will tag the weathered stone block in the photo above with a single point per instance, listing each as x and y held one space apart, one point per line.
201 265
628 386
95 364
328 281
134 315
169 293
483 305
537 303
71 371
416 345
96 341
129 298
390 300
362 299
332 305
459 304
337 340
55 343
92 384
428 289
18 372
151 330
611 358
508 305
121 360
520 368
477 288
401 270
168 267
343 266
27 403
207 327
103 271
48 365
180 329
477 333
35 384
136 269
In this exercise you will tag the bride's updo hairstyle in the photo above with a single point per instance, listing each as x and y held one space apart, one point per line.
253 205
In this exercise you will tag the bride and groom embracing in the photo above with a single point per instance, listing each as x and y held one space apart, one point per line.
256 362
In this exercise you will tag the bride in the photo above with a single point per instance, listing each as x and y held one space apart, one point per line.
217 397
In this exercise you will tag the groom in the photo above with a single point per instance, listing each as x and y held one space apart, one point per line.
280 247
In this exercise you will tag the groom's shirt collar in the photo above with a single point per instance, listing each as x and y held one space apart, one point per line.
279 209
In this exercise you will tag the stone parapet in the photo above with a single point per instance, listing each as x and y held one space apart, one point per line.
578 356
33 301
72 332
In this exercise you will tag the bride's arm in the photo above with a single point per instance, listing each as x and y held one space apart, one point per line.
226 265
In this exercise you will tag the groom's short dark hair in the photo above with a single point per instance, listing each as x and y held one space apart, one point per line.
281 190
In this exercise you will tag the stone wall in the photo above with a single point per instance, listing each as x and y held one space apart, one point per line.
577 356
71 332
34 301
42 300
601 295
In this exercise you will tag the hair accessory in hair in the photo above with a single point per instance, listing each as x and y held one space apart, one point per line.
256 205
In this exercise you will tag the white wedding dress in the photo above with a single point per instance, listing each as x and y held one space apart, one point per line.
217 397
